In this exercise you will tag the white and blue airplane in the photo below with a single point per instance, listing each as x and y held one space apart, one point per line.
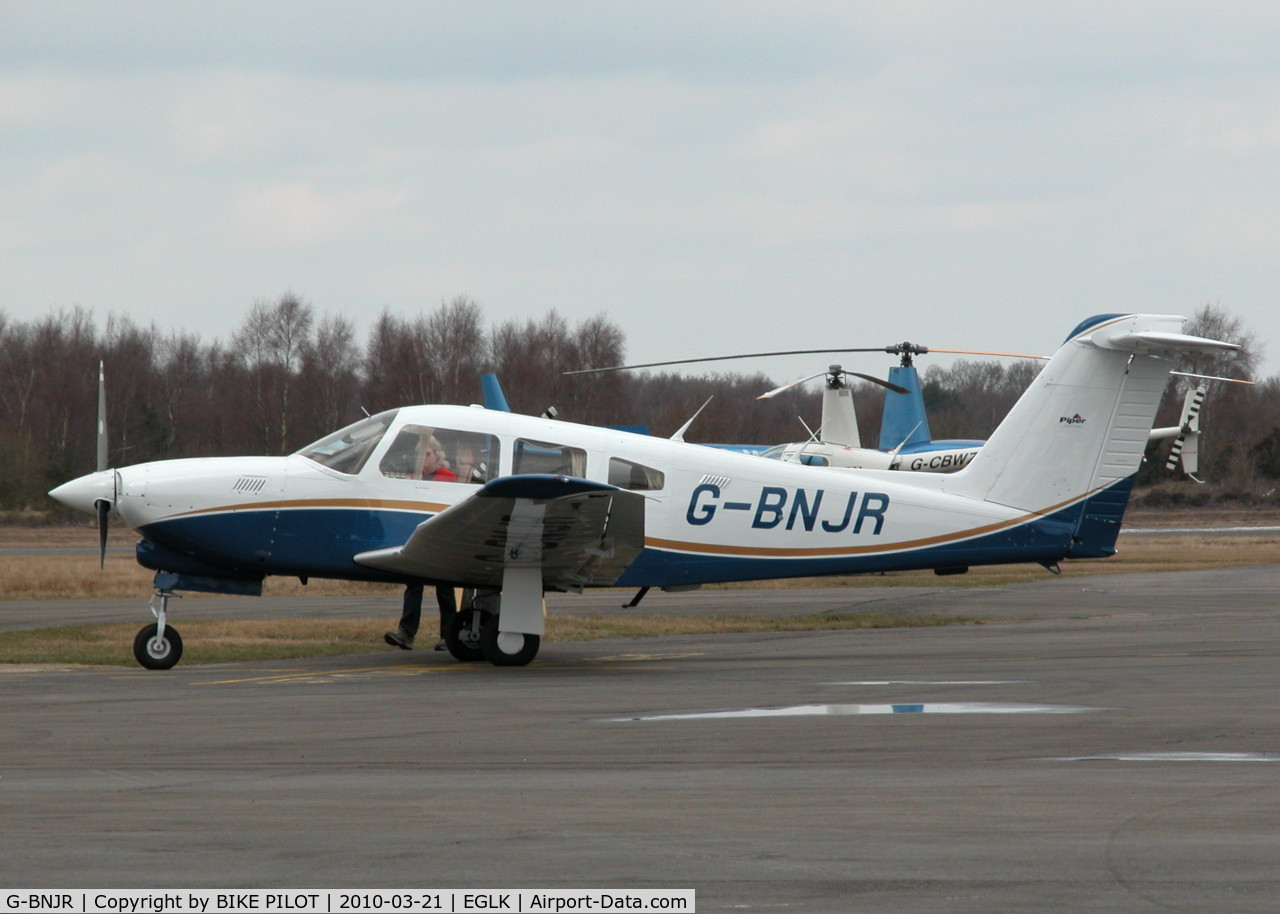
529 505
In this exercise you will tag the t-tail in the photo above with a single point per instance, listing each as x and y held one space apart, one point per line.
1072 444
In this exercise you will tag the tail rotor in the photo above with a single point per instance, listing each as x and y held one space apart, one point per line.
1186 447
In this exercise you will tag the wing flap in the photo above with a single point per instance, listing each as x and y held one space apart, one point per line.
579 532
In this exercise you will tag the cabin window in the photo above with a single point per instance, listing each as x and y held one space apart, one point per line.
440 455
543 457
634 476
347 450
814 460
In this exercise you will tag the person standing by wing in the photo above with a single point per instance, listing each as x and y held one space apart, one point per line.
411 616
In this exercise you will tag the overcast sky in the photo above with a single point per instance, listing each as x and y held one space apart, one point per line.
716 177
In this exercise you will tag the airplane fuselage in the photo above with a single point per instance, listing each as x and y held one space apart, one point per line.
709 515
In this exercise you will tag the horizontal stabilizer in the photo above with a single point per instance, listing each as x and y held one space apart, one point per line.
1153 342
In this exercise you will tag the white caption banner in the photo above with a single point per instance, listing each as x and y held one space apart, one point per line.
297 901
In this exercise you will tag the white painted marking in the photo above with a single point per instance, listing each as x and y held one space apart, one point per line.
945 682
840 710
1176 757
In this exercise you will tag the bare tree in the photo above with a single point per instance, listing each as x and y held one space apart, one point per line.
456 346
330 375
272 342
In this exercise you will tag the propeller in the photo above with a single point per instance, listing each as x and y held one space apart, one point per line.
102 506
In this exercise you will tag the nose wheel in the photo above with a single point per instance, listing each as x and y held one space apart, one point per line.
462 635
158 646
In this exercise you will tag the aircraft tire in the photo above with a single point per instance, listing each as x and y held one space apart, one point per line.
499 650
157 656
459 639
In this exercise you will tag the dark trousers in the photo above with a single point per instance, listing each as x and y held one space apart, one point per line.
411 610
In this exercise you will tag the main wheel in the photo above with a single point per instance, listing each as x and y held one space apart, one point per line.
462 634
507 648
157 653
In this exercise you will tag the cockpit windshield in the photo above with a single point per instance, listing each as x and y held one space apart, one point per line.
347 450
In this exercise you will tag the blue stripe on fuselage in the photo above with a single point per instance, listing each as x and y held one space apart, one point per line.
311 542
1042 540
320 543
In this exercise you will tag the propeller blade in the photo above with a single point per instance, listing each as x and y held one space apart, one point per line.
103 510
102 417
102 506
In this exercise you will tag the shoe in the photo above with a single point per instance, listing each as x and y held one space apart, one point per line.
441 646
398 639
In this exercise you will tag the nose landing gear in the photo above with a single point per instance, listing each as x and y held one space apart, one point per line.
157 646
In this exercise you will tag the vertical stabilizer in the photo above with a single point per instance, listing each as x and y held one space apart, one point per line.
839 417
904 421
1075 439
494 398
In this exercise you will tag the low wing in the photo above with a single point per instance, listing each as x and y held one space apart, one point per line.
577 531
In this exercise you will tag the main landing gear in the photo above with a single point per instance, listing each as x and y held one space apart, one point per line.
158 646
473 633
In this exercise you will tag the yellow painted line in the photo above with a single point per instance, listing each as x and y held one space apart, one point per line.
313 674
384 503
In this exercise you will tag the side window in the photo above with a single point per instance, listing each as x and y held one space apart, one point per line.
543 457
639 478
441 455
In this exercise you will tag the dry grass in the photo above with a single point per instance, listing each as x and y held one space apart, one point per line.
42 577
78 577
231 641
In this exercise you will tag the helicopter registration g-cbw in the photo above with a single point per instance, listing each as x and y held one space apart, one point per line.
534 505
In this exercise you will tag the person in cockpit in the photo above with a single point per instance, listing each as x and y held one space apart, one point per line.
434 464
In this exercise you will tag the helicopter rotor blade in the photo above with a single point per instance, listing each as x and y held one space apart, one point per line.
721 358
790 384
1005 355
881 382
896 349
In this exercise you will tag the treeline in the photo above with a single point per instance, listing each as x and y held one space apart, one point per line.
288 376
